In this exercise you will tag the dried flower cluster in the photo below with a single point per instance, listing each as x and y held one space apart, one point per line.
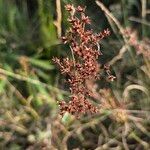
84 45
142 47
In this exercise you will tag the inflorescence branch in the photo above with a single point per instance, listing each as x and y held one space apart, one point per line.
84 45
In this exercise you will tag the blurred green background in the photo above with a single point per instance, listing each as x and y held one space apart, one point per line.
31 85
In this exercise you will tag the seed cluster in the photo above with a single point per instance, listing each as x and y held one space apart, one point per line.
84 45
141 47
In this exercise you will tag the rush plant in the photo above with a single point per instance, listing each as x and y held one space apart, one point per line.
83 67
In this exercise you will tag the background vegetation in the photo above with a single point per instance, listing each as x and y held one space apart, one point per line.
30 84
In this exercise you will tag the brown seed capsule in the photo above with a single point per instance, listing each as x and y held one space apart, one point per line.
80 9
69 7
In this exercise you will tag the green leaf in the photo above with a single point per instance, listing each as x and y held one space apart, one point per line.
2 85
41 63
67 118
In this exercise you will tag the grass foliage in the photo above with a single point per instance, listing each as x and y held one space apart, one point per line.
30 84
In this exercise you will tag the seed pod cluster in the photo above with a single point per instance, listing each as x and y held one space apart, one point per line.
84 45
